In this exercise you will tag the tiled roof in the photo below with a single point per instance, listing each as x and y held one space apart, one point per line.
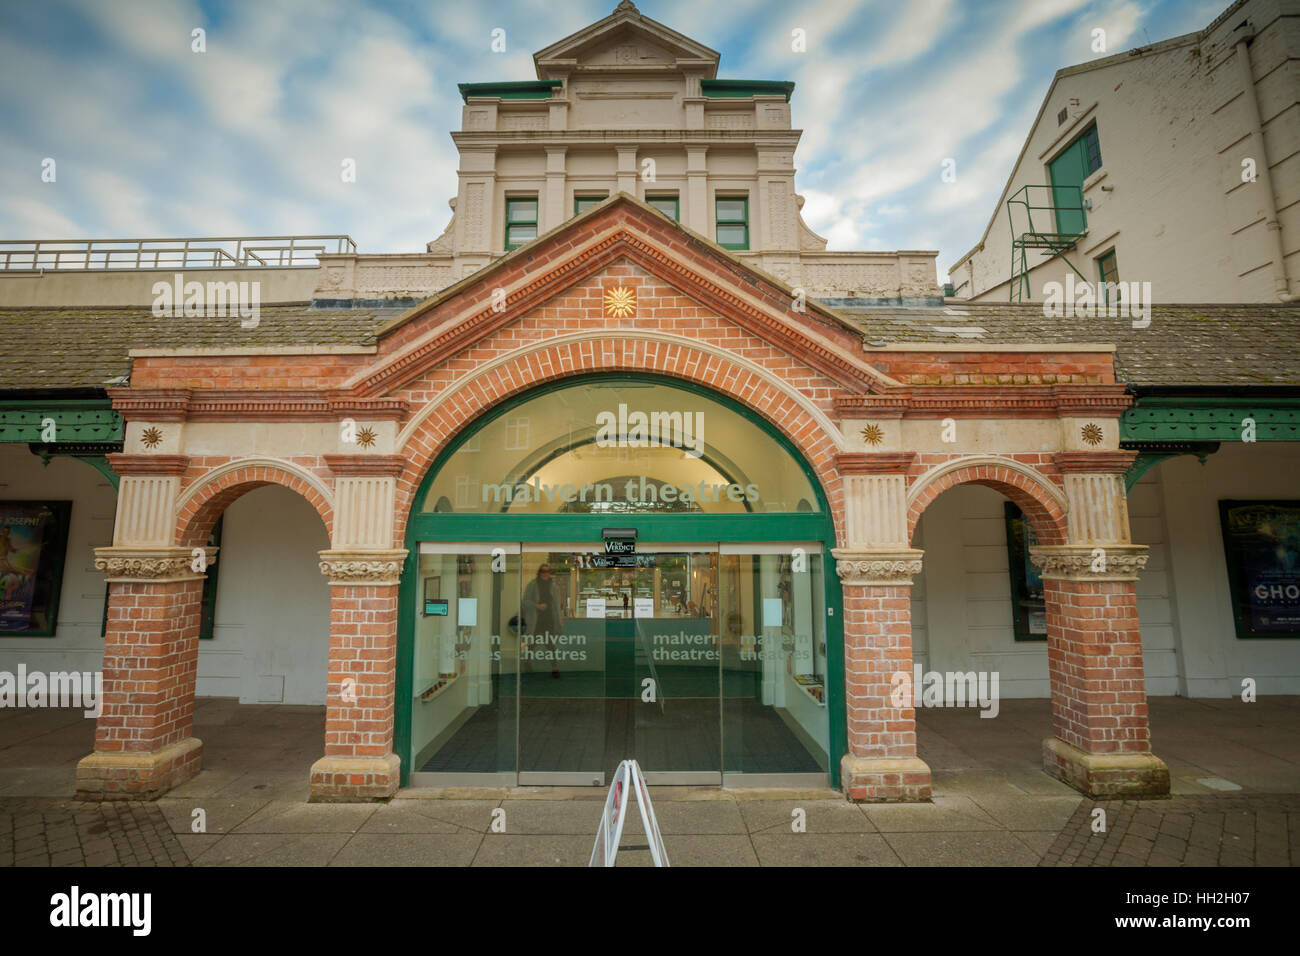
75 348
1184 345
1252 344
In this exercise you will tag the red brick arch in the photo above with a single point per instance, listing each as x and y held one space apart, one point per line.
570 360
1033 497
201 510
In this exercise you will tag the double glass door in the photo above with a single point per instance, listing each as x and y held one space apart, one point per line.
543 664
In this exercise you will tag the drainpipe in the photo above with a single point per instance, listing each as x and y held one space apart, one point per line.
1264 181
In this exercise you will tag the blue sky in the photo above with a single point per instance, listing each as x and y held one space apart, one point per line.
153 140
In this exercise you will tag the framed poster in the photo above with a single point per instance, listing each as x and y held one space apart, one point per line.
1261 541
1028 608
33 544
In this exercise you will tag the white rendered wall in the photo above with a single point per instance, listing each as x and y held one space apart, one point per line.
271 638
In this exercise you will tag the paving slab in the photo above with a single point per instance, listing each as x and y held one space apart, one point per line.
818 817
432 816
824 849
570 817
292 817
961 849
506 849
950 812
273 849
409 849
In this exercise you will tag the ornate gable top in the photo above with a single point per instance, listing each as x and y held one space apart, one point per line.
628 24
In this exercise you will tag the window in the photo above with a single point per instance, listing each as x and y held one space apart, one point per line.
733 222
666 204
521 221
1107 272
582 203
1028 606
1067 172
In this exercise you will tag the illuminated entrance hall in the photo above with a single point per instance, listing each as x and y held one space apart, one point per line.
697 642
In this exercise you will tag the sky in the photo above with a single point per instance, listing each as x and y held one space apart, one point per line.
152 139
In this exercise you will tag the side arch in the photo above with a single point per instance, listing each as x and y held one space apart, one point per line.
1043 503
204 500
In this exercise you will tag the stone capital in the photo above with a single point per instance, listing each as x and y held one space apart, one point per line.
372 568
858 568
151 565
1072 562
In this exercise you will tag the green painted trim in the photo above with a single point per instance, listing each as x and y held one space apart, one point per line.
793 527
1210 419
75 420
535 222
101 465
511 90
719 221
1143 463
587 197
743 89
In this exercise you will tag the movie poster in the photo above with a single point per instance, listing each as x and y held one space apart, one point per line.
1262 540
22 536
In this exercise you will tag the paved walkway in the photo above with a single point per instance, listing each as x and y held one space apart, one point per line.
1235 767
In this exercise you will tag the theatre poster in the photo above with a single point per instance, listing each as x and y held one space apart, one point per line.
1262 546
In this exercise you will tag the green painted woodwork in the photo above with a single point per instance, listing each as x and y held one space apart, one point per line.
742 89
75 420
515 90
1213 419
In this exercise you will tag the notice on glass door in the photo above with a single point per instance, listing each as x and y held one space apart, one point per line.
467 612
772 612
644 607
595 607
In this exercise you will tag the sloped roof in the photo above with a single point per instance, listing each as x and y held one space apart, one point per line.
1230 345
87 347
1225 345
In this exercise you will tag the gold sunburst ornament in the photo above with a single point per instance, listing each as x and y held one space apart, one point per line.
151 437
366 437
873 435
1091 434
620 302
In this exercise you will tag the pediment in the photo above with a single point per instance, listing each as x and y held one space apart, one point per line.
624 40
621 230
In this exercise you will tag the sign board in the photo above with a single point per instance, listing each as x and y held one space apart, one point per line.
620 546
643 606
596 607
435 608
467 612
628 782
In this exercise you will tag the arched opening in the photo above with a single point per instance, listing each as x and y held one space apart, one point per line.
263 659
980 678
615 566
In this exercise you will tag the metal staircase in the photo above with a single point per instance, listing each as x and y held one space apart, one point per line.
1040 226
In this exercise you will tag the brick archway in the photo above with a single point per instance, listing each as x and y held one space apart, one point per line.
1032 492
203 501
472 396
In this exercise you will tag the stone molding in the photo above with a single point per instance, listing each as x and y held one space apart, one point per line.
150 565
877 567
874 462
1094 462
126 464
1071 562
372 568
384 466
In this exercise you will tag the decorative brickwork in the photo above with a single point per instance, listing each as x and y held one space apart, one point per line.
203 502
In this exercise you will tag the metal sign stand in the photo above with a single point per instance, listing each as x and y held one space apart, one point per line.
628 782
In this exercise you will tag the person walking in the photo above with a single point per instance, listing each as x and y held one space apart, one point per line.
541 613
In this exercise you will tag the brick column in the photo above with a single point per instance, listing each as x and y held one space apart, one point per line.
881 764
359 763
364 572
1101 743
143 745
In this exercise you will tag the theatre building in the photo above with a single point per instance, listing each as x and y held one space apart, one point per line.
627 466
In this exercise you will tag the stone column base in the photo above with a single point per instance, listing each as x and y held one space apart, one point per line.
354 779
138 776
885 779
1106 775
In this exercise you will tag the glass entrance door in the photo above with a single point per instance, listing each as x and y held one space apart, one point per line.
564 614
674 706
774 665
464 712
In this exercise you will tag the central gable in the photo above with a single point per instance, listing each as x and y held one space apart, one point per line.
625 40
621 238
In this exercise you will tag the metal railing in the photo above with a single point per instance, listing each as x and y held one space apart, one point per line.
1061 220
221 252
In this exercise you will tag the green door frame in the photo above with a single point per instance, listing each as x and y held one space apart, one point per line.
531 529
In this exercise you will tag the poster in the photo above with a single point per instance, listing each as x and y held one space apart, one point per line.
1028 607
24 526
22 533
1261 540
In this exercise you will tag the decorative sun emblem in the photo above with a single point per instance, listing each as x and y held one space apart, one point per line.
366 437
873 435
620 302
1092 434
151 437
